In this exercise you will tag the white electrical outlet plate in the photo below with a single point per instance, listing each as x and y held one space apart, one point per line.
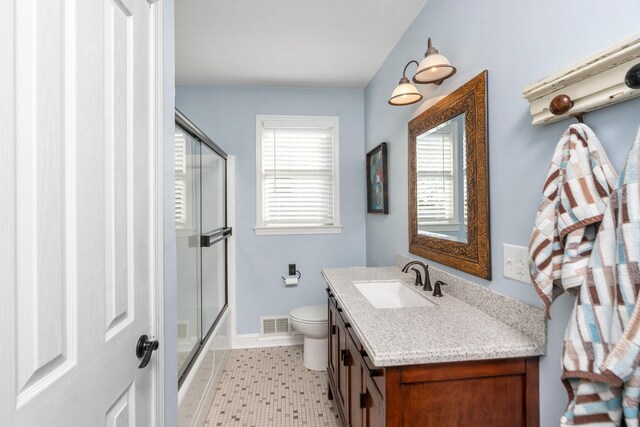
515 263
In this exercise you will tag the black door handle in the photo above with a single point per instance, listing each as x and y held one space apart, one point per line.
144 348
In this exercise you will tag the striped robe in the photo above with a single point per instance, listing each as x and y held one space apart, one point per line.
602 342
575 195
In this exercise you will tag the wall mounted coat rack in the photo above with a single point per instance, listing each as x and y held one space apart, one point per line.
602 79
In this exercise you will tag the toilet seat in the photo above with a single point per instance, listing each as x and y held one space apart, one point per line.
310 314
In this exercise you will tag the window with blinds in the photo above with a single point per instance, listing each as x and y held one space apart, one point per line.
297 173
183 183
436 195
180 167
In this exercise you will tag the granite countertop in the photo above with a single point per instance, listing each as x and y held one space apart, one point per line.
449 331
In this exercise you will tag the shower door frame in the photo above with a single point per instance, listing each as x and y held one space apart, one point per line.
193 131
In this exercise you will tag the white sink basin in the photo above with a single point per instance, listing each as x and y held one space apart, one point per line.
392 294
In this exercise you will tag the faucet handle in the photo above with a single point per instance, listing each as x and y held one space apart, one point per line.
437 291
418 277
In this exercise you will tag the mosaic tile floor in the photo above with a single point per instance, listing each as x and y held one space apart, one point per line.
269 387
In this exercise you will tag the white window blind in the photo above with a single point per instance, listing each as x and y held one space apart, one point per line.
298 172
180 167
464 182
435 170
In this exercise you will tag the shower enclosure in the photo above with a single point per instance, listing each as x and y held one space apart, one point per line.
201 239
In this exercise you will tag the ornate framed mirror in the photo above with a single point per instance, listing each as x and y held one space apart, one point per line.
449 181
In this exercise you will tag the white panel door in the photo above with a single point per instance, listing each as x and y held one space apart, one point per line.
76 251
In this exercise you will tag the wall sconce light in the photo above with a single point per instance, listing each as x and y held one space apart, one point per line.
405 93
434 68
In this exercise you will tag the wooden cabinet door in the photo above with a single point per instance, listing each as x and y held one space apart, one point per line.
355 386
333 342
337 358
343 371
374 415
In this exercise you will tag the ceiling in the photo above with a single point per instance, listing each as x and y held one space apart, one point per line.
297 43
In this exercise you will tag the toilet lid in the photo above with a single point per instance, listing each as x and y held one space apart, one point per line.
310 313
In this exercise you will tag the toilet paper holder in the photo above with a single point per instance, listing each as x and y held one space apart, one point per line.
291 280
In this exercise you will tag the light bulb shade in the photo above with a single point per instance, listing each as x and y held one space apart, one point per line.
405 94
434 68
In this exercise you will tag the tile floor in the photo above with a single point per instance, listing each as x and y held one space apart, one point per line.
269 387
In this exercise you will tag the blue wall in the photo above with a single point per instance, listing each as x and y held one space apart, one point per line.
518 43
228 116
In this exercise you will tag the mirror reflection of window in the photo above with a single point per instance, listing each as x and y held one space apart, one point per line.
464 175
180 180
441 181
436 194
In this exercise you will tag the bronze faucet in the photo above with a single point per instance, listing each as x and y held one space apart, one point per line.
427 281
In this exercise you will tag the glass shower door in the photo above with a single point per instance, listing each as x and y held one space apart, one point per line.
215 233
187 220
201 239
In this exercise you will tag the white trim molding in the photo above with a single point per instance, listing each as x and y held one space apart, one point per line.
156 59
283 230
595 82
231 246
257 341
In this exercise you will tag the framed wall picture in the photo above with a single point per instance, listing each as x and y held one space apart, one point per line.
377 196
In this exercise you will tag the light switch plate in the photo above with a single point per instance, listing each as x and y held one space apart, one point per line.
515 262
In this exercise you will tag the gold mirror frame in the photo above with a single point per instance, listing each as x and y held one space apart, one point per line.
473 257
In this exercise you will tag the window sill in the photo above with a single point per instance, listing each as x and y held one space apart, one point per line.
284 230
439 227
185 232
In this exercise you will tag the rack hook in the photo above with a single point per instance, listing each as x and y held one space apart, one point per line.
579 117
561 104
632 78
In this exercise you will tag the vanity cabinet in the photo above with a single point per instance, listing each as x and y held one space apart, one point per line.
500 392
355 384
337 362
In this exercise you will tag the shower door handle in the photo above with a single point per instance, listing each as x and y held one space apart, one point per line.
208 240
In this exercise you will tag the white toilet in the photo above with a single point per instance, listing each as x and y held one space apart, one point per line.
311 321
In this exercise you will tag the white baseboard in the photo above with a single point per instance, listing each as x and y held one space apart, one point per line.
256 341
